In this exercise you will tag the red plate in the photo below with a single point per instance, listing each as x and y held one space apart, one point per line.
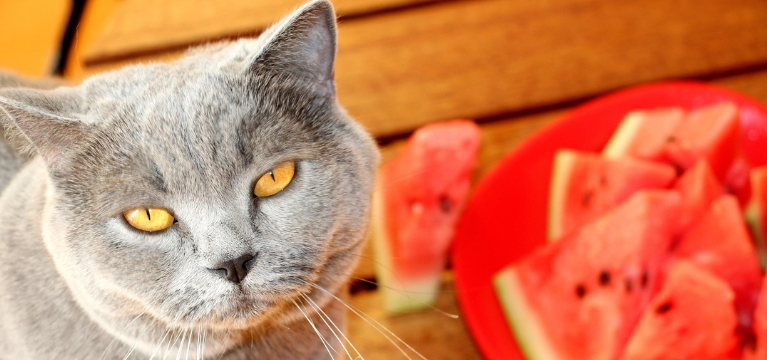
506 217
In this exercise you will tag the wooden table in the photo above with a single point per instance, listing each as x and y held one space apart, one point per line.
512 65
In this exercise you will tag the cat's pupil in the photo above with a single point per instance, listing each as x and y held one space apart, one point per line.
271 173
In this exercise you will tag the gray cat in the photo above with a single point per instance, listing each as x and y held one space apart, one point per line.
208 208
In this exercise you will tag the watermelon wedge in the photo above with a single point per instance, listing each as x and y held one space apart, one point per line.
420 195
710 133
699 187
692 317
596 280
643 134
584 185
720 243
756 213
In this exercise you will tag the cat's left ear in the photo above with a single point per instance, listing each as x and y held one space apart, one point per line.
304 44
46 119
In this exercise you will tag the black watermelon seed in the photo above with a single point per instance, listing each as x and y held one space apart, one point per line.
663 308
629 285
604 278
580 291
586 199
645 279
603 180
445 204
671 139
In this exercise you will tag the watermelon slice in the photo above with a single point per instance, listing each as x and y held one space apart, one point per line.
692 317
596 281
710 133
584 185
719 242
643 134
756 212
420 195
699 188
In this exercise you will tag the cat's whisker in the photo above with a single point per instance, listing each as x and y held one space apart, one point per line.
159 345
189 343
136 345
181 346
197 347
171 342
322 313
378 326
115 339
322 339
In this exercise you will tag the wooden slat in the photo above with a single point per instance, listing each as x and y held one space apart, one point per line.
479 59
143 26
431 333
494 58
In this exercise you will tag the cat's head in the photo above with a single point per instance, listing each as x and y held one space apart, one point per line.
191 140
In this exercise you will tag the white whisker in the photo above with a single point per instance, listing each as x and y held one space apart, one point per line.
361 313
181 346
324 342
322 313
115 339
159 345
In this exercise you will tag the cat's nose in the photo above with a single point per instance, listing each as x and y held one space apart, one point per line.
236 269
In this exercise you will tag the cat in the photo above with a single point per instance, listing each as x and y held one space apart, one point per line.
208 208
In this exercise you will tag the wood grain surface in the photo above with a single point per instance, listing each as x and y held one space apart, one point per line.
174 24
494 59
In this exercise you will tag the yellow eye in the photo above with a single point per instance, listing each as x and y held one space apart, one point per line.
149 219
275 180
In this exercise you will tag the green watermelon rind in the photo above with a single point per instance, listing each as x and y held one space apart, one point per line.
560 173
753 215
623 136
527 328
399 296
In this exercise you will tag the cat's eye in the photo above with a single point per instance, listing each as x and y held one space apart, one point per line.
149 219
275 180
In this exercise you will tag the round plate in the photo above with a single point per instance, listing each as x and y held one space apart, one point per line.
506 217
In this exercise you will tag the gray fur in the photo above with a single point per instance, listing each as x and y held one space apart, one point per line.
76 282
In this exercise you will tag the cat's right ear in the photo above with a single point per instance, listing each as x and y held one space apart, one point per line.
45 119
303 44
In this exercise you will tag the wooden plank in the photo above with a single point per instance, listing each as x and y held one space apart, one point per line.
495 58
173 23
479 59
431 333
753 84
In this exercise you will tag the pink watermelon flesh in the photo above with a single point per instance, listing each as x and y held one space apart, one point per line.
691 317
709 133
737 181
756 213
699 188
420 195
719 242
643 134
580 297
585 185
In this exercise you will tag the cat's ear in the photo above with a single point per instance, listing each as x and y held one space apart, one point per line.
304 44
46 119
